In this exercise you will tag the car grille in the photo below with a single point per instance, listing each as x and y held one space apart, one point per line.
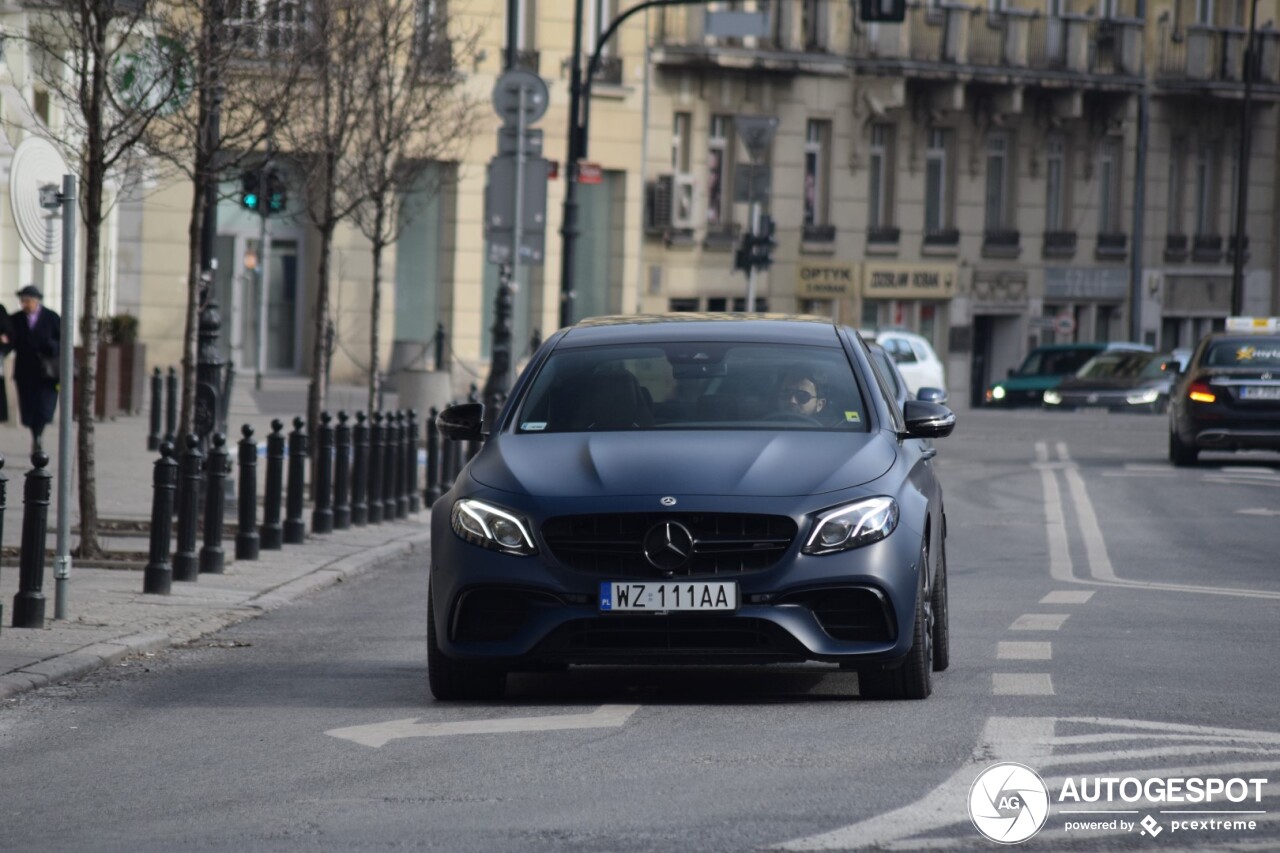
612 545
670 636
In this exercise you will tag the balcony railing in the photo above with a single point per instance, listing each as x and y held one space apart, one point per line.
1216 54
528 60
1112 246
1207 248
884 234
1059 243
793 26
609 71
1175 247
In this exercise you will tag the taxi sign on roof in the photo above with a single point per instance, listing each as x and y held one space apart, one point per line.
1253 324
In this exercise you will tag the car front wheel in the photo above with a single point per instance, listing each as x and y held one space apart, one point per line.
453 680
913 679
941 623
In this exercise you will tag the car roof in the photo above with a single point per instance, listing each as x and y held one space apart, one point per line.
695 326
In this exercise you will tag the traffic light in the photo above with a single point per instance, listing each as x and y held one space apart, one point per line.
250 193
277 192
883 11
743 254
764 244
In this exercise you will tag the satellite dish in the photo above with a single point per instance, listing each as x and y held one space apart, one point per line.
35 182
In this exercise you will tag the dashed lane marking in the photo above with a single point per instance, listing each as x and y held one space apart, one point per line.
1014 650
1063 596
1039 622
1262 511
1021 684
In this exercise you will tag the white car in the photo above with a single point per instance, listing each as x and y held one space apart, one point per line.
915 358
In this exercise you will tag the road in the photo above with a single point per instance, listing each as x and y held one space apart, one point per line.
1111 616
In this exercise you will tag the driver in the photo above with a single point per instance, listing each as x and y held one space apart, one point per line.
801 392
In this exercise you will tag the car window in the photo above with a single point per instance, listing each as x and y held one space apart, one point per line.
920 351
880 360
694 385
1251 351
1118 365
899 350
1056 362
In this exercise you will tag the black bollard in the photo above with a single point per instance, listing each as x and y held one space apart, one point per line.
171 407
413 496
186 562
375 469
403 483
342 474
295 529
157 578
432 494
360 472
4 488
322 515
272 533
28 604
157 410
213 558
390 464
247 534
446 461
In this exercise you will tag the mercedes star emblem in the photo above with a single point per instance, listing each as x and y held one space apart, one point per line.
668 501
668 546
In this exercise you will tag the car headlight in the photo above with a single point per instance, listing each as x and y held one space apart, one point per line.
997 393
1143 397
1052 398
852 526
492 527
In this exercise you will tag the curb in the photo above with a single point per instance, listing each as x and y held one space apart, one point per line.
82 661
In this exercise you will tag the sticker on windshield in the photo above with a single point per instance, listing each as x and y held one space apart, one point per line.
852 417
533 426
1251 353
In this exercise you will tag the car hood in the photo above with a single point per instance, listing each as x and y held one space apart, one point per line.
1131 384
753 463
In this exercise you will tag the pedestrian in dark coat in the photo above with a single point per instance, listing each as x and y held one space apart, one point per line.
6 346
35 333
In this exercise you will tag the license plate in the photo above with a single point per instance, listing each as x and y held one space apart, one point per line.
665 597
1260 392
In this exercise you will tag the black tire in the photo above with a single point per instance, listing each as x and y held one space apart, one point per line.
941 622
1182 455
913 679
451 680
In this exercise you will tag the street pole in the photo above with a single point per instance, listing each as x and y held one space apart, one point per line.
264 276
754 207
1242 167
569 223
1139 209
62 555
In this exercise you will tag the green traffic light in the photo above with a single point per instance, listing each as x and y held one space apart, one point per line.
251 201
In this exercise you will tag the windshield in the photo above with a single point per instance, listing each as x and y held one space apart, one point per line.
1122 365
694 385
1055 362
1244 352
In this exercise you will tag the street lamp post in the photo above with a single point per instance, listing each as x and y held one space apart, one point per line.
1242 166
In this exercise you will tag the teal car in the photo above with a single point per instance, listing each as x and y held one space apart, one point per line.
1044 368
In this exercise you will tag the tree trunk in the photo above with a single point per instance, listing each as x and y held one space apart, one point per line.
375 304
319 356
190 327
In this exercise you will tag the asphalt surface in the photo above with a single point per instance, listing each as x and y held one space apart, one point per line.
1111 616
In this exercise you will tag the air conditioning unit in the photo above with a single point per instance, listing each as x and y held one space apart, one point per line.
669 203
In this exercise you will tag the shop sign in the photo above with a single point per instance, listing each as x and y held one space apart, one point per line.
908 281
1081 284
824 280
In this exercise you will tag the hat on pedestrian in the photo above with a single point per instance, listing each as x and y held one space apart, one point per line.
30 291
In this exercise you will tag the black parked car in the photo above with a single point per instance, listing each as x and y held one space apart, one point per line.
1119 380
693 489
1229 396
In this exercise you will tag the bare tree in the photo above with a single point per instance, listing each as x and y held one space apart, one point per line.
249 60
340 44
417 116
101 62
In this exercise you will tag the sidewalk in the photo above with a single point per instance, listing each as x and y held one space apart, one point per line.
109 617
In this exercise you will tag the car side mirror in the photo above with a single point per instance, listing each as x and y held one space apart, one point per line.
462 422
1013 371
927 420
932 395
1172 367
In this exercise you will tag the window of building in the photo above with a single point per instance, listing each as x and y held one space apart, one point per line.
1055 174
719 193
998 176
717 303
1177 168
1204 12
816 148
527 26
1109 186
683 304
680 143
600 14
1205 211
937 177
880 176
811 24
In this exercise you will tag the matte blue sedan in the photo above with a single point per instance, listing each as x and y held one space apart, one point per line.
693 489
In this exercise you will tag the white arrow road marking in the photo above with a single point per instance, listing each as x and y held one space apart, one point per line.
1263 511
380 734
1033 741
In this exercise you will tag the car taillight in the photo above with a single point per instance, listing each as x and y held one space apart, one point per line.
1199 392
